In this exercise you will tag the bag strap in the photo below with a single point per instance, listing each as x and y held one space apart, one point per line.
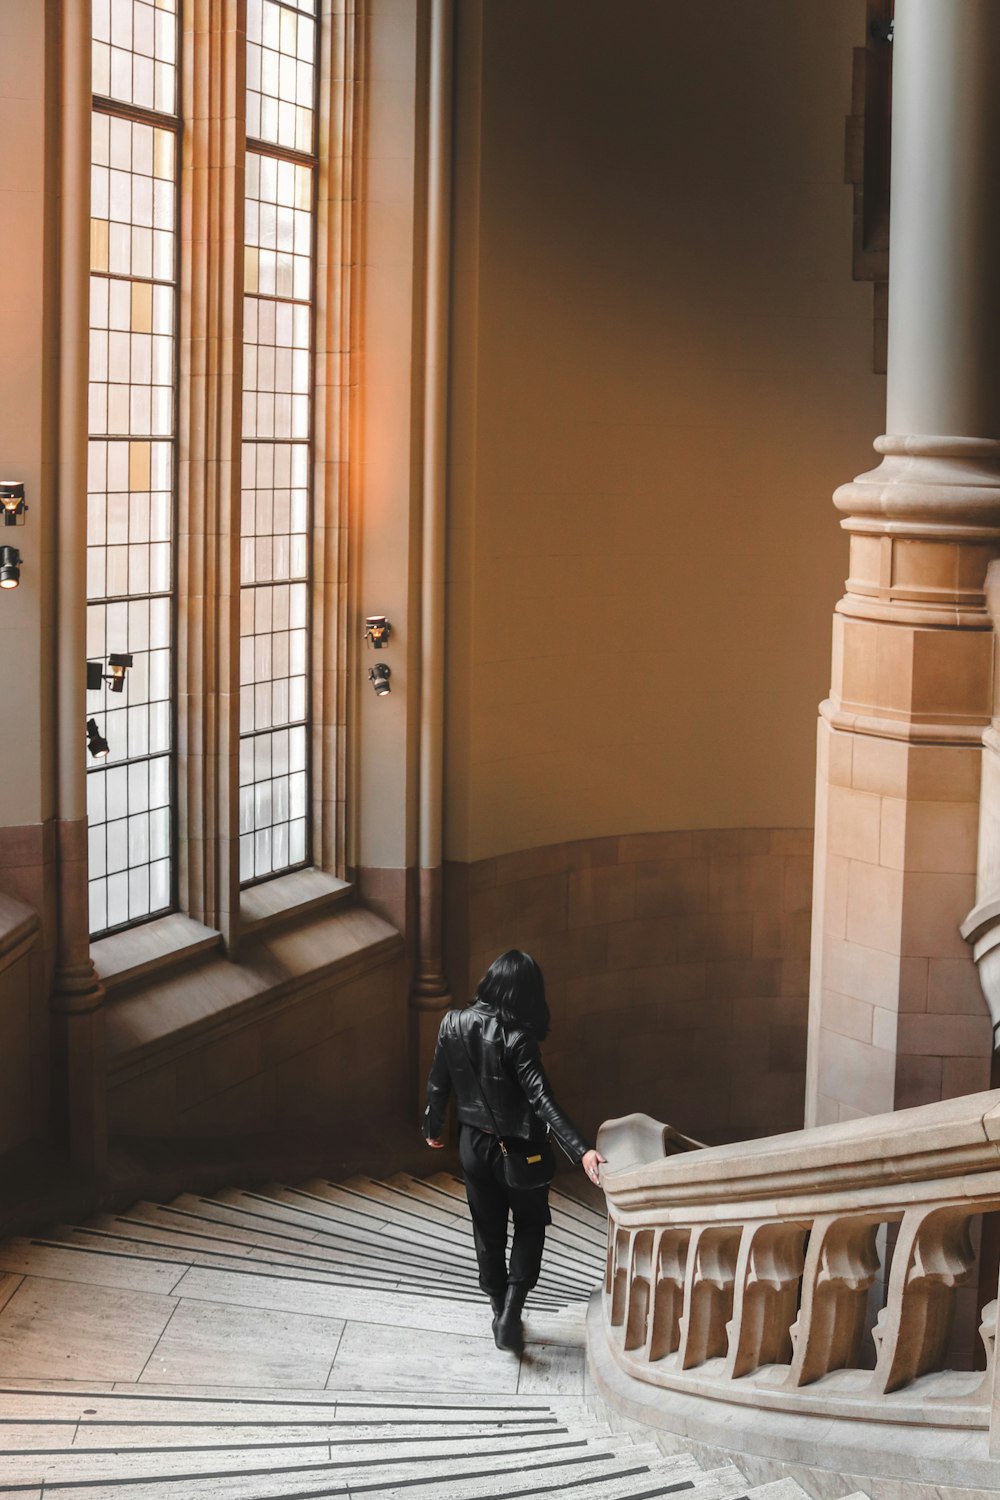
482 1091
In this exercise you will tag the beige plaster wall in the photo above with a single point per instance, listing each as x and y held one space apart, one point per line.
26 322
661 371
26 451
385 449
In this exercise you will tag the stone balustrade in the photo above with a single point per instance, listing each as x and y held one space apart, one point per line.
812 1297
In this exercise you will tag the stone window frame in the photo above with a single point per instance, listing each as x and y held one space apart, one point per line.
210 901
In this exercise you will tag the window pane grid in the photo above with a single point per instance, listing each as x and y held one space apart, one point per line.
275 516
134 52
132 462
281 73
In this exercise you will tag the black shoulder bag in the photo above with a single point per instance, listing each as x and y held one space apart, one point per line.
522 1170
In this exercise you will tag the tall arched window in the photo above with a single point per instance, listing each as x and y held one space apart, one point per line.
210 216
133 461
277 431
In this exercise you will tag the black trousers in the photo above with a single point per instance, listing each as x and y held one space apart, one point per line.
491 1201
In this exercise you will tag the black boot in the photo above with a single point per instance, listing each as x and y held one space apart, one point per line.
507 1330
496 1302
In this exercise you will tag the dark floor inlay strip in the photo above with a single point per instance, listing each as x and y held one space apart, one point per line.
153 1397
333 1442
548 1423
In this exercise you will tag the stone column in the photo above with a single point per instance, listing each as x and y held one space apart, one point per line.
896 1014
210 417
430 996
77 995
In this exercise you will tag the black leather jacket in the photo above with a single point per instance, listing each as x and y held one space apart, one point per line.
505 1066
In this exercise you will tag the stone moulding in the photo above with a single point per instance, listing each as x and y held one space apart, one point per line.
802 1298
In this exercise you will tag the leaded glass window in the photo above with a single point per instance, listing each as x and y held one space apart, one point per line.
277 432
132 470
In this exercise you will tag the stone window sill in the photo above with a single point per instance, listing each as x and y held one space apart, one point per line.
181 1008
290 898
125 959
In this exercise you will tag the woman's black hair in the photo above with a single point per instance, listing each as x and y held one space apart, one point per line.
513 986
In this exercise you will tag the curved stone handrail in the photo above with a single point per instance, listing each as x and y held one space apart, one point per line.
808 1291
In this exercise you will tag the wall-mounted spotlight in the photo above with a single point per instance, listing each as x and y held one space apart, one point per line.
10 567
379 679
12 502
119 662
96 743
377 632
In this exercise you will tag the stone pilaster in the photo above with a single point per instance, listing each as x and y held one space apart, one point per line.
341 118
211 360
77 995
896 1014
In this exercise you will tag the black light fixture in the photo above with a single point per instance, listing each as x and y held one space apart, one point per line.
96 743
10 567
377 632
379 679
12 502
119 662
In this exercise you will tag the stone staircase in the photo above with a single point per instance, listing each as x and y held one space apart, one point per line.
317 1341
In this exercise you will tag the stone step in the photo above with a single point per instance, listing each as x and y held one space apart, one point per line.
364 1294
563 1231
578 1258
565 1272
255 1476
453 1187
590 1226
148 1239
347 1456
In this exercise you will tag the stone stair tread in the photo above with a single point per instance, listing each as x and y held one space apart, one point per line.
263 1218
318 1218
450 1475
454 1250
392 1195
590 1236
149 1242
355 1201
369 1254
786 1488
52 1400
587 1249
347 1459
448 1183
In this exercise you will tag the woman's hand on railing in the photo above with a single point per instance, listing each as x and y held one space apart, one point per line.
591 1162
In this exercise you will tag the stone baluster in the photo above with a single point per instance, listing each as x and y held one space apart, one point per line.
766 1296
840 1267
934 1255
609 1258
618 1257
708 1293
988 1334
670 1261
640 1280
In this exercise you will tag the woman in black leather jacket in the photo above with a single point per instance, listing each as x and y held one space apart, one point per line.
491 1049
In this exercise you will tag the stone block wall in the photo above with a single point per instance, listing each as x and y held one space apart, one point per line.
676 965
332 1060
